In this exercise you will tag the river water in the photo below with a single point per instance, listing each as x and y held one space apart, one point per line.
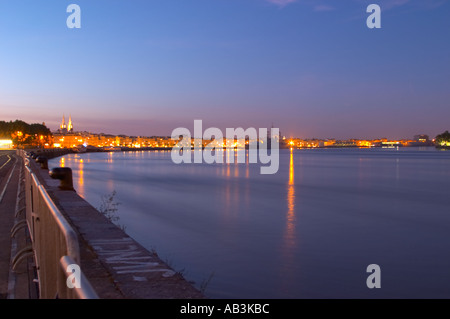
309 231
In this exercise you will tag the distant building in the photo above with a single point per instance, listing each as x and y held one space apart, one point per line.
6 143
66 128
421 140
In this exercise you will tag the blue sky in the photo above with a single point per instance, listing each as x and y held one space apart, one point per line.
312 68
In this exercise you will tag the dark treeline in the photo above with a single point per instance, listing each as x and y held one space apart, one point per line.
443 139
22 133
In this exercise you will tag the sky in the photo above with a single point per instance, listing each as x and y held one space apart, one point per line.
311 68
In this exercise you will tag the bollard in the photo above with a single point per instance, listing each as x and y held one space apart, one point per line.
64 174
43 161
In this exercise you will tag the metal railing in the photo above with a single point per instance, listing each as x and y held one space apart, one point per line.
55 243
84 292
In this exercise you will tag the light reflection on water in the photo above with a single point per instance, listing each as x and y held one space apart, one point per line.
308 231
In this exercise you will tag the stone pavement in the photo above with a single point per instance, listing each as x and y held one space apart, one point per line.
17 284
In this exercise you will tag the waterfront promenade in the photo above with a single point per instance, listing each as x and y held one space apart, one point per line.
18 284
116 266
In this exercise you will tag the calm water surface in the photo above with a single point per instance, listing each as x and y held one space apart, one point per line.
309 231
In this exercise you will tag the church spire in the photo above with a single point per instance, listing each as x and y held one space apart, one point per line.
63 123
70 125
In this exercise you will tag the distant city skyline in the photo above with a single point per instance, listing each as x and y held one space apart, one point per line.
311 68
111 131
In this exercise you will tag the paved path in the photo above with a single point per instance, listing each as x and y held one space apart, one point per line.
13 284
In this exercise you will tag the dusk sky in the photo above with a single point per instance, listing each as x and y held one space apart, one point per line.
312 68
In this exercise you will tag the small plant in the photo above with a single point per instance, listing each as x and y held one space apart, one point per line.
182 272
205 283
109 208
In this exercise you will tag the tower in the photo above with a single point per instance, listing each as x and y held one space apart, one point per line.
70 125
63 126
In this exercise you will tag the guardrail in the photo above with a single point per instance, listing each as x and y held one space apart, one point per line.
55 243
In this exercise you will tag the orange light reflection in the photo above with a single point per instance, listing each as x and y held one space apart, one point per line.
290 227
